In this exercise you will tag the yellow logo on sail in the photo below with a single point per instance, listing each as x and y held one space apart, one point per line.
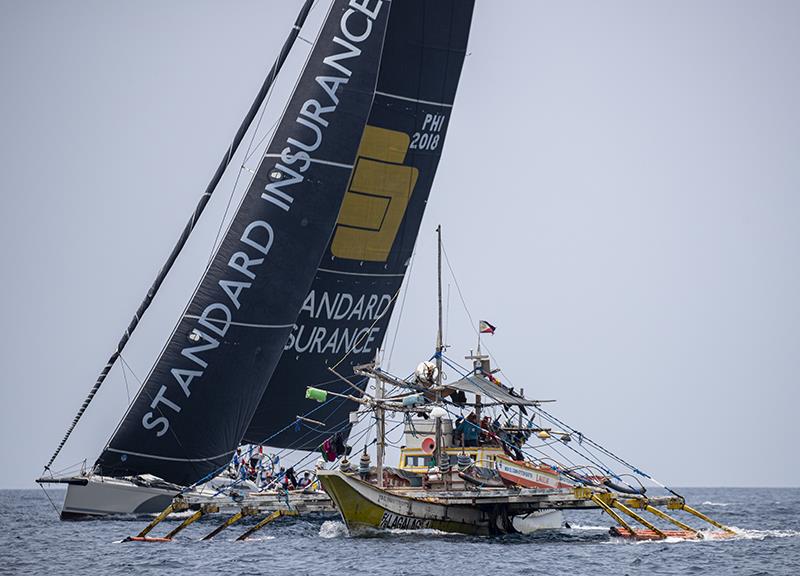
376 201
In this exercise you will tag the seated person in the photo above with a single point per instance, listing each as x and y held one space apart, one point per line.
305 481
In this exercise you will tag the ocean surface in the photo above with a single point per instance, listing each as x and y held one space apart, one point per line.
34 541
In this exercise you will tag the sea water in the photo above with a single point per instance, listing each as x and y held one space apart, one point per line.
767 521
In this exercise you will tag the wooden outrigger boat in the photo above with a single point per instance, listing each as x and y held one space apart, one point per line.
527 495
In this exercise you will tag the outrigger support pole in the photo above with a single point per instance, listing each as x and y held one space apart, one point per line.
649 525
270 518
245 511
610 511
668 518
177 505
204 509
645 505
679 504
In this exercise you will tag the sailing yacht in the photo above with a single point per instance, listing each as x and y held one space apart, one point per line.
310 264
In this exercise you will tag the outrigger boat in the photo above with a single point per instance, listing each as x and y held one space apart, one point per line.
482 487
458 490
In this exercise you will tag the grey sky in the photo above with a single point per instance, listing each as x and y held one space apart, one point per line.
619 193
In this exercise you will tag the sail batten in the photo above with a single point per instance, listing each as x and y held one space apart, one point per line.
196 402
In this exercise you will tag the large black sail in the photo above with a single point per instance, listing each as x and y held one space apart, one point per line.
350 301
196 402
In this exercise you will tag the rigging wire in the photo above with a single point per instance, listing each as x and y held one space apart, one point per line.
125 377
402 308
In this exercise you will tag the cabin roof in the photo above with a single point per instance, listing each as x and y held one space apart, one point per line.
477 383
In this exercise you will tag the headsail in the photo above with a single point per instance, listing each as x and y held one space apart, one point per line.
187 230
350 302
196 402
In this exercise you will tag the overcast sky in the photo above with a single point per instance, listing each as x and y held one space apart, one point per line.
619 194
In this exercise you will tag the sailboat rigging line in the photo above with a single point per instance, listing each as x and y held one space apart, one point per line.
214 473
610 454
127 389
240 133
143 390
458 289
402 308
588 456
277 479
466 309
250 149
239 174
53 504
364 333
447 314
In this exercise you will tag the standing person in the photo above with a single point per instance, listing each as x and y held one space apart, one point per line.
470 431
237 459
486 432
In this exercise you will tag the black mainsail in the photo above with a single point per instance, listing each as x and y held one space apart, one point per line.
346 313
201 393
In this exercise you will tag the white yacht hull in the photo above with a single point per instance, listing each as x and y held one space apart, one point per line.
101 496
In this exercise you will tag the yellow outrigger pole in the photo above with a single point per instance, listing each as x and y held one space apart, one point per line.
609 503
679 504
179 505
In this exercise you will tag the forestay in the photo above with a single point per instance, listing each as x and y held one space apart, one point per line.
196 402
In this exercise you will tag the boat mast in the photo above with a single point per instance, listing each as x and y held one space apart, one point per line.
380 415
184 237
439 348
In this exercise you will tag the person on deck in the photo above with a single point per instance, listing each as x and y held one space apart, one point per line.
237 459
470 431
457 431
486 430
265 478
305 481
